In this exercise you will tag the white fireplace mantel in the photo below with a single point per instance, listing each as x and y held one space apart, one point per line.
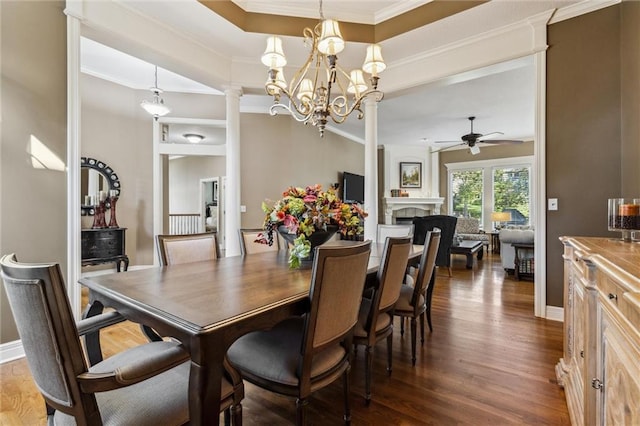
391 204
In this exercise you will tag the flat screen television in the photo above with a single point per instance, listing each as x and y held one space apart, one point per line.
352 188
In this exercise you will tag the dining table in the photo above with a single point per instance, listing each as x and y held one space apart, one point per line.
207 305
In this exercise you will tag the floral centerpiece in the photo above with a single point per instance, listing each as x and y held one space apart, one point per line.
304 211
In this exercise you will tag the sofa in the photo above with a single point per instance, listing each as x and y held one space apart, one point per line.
468 228
508 236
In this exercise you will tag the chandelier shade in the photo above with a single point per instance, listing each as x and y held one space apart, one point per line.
156 107
321 90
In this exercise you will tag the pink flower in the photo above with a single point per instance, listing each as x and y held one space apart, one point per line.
310 198
291 223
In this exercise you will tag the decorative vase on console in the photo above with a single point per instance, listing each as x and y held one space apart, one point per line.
113 223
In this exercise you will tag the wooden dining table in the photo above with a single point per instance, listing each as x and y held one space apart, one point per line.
208 305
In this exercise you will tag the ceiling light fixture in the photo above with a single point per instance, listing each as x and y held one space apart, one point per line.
157 108
193 137
311 94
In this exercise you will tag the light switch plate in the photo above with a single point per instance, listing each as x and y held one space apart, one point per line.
552 204
243 209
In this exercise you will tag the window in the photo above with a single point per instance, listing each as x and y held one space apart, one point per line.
467 193
511 193
478 188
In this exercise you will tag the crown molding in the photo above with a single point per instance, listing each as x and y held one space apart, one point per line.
577 9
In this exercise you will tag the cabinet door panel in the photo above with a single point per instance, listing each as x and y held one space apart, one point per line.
621 362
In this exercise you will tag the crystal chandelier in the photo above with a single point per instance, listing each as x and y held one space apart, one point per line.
321 89
156 107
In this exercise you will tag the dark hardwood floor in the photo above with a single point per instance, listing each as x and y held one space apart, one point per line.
489 361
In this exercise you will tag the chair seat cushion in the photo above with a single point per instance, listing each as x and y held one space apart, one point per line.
404 301
274 354
382 322
160 400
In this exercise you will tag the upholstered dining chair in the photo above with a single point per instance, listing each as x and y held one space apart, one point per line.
143 385
175 249
375 320
397 230
305 353
415 301
447 226
248 243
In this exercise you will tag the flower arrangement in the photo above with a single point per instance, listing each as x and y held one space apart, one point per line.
303 211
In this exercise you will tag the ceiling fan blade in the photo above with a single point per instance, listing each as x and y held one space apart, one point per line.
500 141
446 142
448 147
490 135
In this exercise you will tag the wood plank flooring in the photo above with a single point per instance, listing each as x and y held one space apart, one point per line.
489 361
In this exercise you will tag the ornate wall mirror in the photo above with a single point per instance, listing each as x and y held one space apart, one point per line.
96 178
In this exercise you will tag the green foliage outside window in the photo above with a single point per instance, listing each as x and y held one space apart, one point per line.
511 189
467 193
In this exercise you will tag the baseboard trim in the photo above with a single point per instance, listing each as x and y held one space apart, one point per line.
11 351
555 313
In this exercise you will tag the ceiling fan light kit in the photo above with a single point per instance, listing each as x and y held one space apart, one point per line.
471 139
321 89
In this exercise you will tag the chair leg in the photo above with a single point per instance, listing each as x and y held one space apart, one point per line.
301 411
236 414
347 390
368 366
449 267
402 326
422 328
413 340
389 352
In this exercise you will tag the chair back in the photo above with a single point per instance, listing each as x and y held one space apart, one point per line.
392 270
399 230
426 276
48 332
447 226
337 281
248 244
176 249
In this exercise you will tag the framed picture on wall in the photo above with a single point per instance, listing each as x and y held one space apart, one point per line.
410 175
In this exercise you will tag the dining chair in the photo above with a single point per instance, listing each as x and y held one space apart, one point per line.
305 353
415 301
447 226
248 244
375 320
176 249
397 230
143 385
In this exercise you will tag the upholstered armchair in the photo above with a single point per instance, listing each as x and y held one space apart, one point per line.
447 226
144 385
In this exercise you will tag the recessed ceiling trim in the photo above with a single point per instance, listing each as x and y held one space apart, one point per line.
365 33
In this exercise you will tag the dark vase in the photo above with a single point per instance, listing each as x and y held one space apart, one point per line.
316 239
113 221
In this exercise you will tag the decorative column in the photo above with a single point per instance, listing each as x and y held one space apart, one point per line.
371 166
232 219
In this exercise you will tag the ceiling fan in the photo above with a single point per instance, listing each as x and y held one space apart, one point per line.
471 139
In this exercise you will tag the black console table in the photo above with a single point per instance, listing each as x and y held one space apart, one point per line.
104 245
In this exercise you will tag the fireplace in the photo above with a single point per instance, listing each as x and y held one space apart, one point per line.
403 209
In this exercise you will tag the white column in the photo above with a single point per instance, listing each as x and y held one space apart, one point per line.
371 167
232 219
73 160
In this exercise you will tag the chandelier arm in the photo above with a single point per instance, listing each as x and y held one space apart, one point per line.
292 111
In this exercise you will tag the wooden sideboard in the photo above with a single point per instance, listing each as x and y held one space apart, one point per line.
104 245
600 367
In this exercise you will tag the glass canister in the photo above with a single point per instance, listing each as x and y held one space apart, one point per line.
624 216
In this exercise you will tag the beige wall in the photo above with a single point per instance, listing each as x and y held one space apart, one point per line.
590 124
33 96
278 152
486 153
184 181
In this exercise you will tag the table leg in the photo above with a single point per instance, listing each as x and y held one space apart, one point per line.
92 340
469 260
481 253
205 378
